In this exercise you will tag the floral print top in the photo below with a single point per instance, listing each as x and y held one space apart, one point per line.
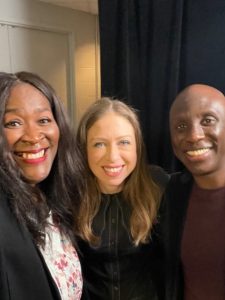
63 263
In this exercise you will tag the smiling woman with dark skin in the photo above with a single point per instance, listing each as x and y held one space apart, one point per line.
193 221
38 259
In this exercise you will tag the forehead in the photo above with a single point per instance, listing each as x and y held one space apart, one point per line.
194 106
24 94
111 122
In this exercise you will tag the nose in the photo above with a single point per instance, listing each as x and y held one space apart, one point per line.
112 152
32 135
195 133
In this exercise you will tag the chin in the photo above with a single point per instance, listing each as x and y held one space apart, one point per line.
200 171
36 180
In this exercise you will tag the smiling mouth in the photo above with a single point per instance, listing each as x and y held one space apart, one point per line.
30 155
198 152
113 170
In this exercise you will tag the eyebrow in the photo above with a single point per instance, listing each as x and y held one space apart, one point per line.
103 138
14 110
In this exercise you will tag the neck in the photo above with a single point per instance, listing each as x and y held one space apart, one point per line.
210 181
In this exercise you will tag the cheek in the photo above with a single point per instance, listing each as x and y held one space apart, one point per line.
218 132
176 140
54 135
93 159
94 156
134 157
131 158
11 137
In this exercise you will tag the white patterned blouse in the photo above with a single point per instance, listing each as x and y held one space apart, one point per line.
63 263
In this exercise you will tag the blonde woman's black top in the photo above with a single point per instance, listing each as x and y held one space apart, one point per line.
117 269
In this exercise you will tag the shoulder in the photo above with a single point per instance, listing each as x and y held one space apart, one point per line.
159 175
177 190
179 185
180 178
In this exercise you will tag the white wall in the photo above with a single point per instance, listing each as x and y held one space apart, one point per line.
78 30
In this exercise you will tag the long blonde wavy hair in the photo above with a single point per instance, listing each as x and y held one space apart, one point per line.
139 189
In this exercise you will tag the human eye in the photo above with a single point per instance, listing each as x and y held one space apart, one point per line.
45 120
181 126
99 144
124 142
209 120
12 124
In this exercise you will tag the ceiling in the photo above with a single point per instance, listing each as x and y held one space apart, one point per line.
89 6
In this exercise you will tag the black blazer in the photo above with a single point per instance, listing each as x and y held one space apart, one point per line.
23 272
172 217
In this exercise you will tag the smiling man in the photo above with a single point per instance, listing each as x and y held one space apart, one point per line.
194 218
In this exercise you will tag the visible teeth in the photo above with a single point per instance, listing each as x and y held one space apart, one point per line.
33 155
198 152
113 170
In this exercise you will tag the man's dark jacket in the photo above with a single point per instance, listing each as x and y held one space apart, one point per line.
172 217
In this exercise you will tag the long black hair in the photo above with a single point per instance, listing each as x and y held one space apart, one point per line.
57 192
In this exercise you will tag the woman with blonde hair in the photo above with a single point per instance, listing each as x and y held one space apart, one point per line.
119 204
